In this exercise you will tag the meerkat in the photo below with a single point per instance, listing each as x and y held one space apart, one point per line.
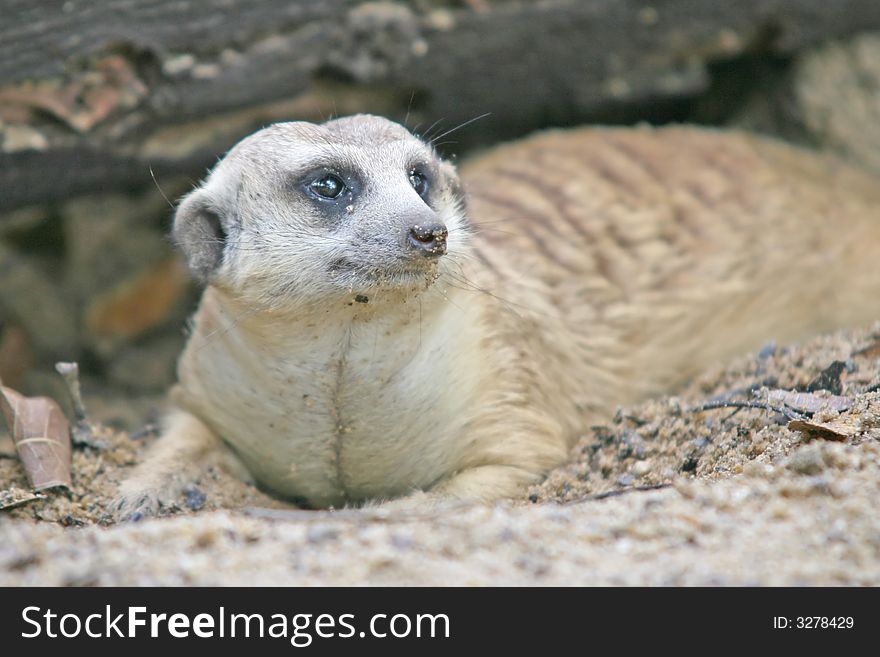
374 330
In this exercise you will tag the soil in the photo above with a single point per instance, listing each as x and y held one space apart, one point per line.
664 494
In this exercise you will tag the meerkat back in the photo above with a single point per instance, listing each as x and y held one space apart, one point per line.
639 256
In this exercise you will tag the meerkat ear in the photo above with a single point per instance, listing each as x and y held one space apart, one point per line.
198 231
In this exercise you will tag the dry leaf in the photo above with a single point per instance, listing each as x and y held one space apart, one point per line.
41 435
15 496
90 97
834 430
806 402
829 379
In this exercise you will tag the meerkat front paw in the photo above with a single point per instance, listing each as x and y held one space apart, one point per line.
185 451
137 500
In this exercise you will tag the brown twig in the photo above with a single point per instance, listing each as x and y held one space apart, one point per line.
617 492
82 433
70 373
714 405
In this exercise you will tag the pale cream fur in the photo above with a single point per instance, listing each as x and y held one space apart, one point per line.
641 257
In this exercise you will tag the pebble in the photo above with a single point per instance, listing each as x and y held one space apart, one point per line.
641 468
194 499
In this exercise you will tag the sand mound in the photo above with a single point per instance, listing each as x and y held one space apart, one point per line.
664 494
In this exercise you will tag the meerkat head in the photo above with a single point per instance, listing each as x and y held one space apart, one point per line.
300 212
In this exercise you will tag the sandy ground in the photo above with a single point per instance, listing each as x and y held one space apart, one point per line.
662 495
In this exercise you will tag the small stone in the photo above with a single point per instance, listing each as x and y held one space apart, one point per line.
70 521
641 468
194 498
690 463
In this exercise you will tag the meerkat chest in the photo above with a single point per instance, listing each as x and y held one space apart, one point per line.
340 412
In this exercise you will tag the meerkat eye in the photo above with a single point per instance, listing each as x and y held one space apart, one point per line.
419 182
327 186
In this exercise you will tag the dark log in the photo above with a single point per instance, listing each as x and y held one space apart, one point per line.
92 94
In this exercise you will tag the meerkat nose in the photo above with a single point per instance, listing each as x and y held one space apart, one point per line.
428 239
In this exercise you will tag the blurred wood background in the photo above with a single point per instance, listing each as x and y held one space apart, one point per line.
98 98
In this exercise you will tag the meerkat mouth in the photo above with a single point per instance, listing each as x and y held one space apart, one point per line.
403 274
